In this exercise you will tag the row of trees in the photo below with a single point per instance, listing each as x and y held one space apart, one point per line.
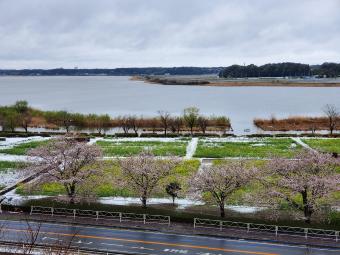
267 70
327 69
303 183
23 116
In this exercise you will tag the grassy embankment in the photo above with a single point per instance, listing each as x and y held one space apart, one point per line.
110 184
256 148
209 210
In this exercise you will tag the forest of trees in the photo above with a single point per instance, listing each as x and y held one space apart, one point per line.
267 70
329 70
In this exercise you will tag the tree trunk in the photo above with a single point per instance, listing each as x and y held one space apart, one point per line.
331 125
25 126
307 210
222 212
144 198
144 201
72 202
308 214
173 200
71 191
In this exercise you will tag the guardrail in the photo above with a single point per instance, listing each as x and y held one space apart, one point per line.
277 230
100 215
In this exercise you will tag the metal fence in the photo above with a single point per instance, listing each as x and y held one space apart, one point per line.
100 215
277 230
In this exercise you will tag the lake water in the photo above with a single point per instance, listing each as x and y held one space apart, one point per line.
120 96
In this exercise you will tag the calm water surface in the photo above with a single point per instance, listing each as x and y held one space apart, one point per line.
119 96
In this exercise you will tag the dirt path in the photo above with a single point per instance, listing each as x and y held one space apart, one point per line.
304 145
191 148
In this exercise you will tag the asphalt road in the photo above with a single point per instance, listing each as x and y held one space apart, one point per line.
144 242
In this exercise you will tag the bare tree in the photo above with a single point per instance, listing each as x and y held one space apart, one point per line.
220 181
203 123
176 124
303 182
65 160
134 123
144 171
102 123
164 117
154 124
190 116
125 123
333 116
65 119
30 237
30 241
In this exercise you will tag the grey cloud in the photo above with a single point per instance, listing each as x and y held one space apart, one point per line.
115 33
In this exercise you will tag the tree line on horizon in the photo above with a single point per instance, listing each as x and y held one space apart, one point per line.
289 69
185 70
329 70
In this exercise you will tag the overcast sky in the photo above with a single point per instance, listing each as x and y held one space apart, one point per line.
137 33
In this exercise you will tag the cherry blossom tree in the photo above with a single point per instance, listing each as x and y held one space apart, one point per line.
302 182
66 161
221 181
143 172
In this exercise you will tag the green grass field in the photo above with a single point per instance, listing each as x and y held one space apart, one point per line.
125 148
109 184
21 149
259 148
324 145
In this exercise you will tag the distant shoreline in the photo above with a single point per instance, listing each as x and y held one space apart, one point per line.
198 81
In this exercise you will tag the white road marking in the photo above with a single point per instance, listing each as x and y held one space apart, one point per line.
112 244
50 238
